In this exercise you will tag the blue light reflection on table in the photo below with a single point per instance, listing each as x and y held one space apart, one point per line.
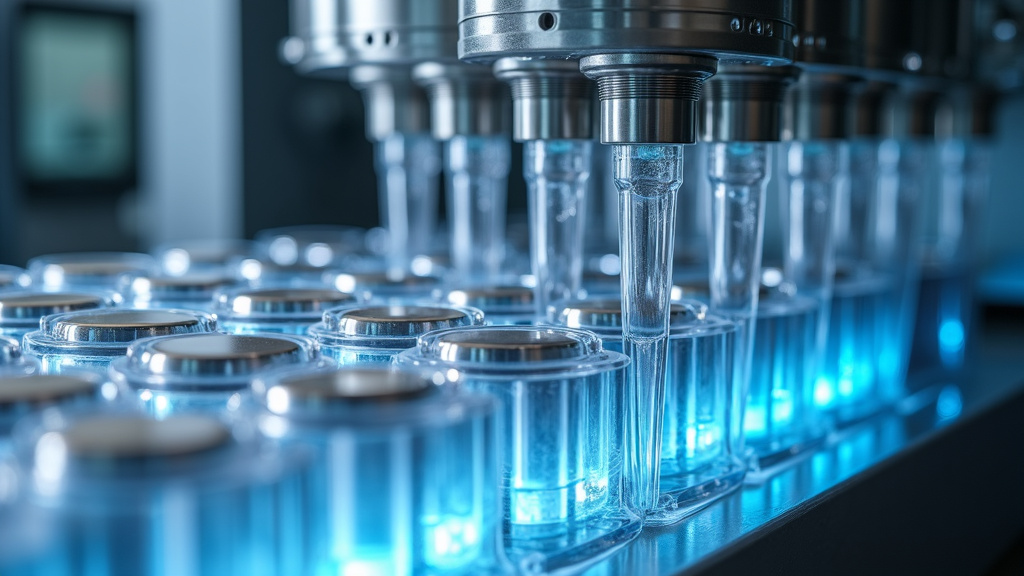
676 549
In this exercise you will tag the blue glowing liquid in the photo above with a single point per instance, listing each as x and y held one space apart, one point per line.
848 379
297 328
943 320
697 466
781 410
557 450
402 501
353 355
162 404
162 531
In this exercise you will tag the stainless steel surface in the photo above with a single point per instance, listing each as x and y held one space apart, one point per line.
35 305
491 297
551 100
136 436
818 107
648 98
213 354
393 102
740 30
465 99
329 36
122 326
351 384
37 389
396 320
513 345
744 103
275 301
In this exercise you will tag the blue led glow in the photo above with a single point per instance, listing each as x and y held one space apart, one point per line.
949 404
951 335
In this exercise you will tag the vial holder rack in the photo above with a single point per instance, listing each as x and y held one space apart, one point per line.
562 401
203 372
404 477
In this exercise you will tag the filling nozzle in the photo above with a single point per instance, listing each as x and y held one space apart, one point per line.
469 112
407 161
742 122
648 108
552 117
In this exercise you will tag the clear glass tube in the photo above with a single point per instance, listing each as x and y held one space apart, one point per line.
407 169
556 173
476 168
738 173
647 178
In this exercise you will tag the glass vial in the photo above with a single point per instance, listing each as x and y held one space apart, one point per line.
20 312
562 400
405 474
278 310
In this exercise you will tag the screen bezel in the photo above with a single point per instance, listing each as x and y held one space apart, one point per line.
59 187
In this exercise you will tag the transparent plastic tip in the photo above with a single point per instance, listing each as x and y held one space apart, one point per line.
477 179
738 173
556 173
814 171
647 178
407 170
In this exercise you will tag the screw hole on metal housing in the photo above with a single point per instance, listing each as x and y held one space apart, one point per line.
546 21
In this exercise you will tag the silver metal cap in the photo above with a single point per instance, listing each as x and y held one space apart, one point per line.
392 321
118 437
331 35
275 302
648 98
743 103
512 345
818 107
213 354
346 386
493 297
601 314
42 389
465 99
123 326
551 99
31 306
759 31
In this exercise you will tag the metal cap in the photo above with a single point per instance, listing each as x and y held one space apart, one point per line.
493 297
331 35
875 110
743 103
231 356
393 102
551 99
648 98
117 437
354 282
600 314
31 306
818 107
34 390
465 99
123 326
280 302
757 31
512 345
346 386
397 321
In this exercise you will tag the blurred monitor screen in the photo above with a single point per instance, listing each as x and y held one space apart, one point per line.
75 100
